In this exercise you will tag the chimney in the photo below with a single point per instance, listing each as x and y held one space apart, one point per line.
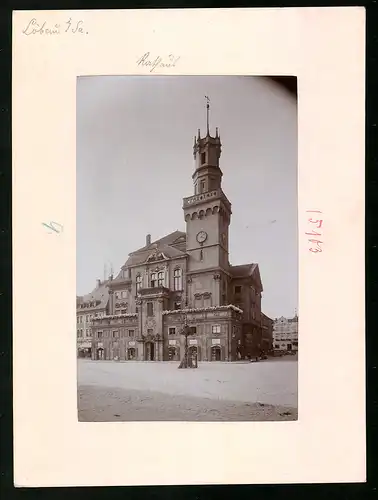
98 283
148 240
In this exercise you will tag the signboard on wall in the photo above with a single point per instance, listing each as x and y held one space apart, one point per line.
172 342
193 341
215 341
132 344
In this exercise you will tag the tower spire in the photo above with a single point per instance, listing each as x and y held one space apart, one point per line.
207 114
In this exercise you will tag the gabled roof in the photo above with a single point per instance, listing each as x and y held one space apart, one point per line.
169 247
243 270
99 294
246 271
169 239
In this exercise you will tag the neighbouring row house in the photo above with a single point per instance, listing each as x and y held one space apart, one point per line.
285 334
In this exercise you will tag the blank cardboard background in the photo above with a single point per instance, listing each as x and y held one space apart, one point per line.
325 49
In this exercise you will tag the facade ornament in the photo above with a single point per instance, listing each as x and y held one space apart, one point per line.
217 276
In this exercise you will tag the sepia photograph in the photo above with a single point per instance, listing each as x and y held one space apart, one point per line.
186 248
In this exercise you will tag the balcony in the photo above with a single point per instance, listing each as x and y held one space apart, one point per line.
199 198
157 291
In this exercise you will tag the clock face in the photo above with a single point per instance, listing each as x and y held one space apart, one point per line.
201 236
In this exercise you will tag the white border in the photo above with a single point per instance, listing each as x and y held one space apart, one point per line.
325 48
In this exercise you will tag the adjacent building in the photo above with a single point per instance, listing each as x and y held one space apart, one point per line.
183 278
285 334
267 334
88 307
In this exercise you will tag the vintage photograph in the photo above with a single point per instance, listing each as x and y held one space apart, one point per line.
187 248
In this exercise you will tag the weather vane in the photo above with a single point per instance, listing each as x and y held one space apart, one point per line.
207 112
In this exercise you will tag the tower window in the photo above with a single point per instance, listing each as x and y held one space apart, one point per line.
203 158
202 184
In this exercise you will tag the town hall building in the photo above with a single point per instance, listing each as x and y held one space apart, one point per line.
183 278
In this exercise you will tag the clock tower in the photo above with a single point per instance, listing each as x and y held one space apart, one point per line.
207 215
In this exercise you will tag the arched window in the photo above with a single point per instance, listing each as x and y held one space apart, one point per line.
153 280
161 278
138 283
177 279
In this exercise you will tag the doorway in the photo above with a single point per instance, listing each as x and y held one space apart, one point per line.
173 354
216 353
193 351
100 353
149 351
130 353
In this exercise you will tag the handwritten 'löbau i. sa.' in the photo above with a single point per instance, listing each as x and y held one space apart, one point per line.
70 27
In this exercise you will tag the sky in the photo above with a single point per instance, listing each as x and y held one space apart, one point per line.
135 161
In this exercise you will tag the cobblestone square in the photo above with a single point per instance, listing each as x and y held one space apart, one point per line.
216 391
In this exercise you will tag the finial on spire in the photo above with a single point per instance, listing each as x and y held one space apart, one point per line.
199 134
207 113
216 133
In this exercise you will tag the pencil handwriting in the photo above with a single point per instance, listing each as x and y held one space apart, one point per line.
35 27
158 62
53 226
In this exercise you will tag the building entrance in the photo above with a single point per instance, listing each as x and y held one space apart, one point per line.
216 353
131 353
173 353
149 351
100 353
194 351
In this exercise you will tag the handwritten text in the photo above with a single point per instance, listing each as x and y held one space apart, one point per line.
317 224
157 62
36 27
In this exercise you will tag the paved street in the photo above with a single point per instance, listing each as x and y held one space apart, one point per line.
126 391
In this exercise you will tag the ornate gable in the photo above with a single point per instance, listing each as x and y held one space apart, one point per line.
156 255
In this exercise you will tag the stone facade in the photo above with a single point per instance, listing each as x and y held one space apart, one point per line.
185 278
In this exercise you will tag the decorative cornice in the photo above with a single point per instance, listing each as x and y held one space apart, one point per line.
116 316
205 309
